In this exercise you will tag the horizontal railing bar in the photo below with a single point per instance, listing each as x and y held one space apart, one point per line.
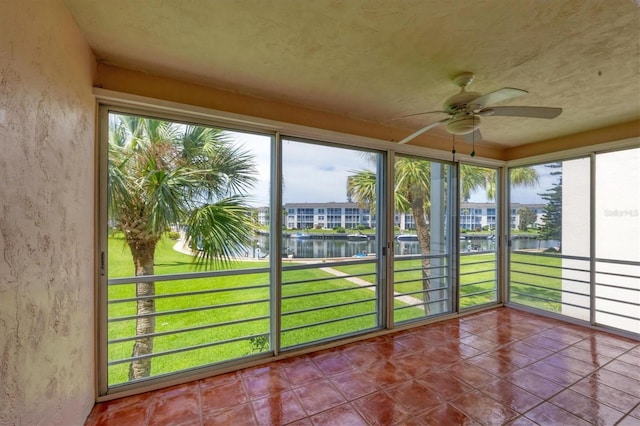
564 268
619 287
184 349
552 289
462 296
284 330
548 300
406 258
437 277
351 261
181 311
477 272
430 302
478 282
550 276
336 290
430 268
462 265
618 301
617 315
618 261
328 278
319 308
186 330
614 274
411 293
556 256
188 293
186 275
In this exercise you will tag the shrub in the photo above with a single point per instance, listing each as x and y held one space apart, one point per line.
174 235
340 230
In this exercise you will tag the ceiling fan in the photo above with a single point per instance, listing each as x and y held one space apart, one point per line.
466 108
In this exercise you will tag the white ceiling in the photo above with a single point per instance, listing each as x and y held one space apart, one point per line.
376 60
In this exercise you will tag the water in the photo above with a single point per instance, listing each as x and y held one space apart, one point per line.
320 249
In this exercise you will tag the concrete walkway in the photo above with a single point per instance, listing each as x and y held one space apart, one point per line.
181 246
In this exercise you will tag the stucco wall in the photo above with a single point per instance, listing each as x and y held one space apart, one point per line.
46 221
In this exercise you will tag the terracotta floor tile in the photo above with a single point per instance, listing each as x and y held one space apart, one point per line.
319 396
629 421
117 405
136 414
635 412
518 359
556 374
333 363
549 414
624 368
240 415
441 357
342 415
484 409
522 421
266 382
380 409
301 422
534 383
586 408
631 357
278 408
614 398
617 381
446 414
493 365
560 335
177 409
571 364
388 348
511 395
363 355
354 384
595 345
232 377
479 343
225 395
386 374
461 350
445 384
531 351
593 357
471 374
415 397
415 364
412 342
301 373
501 336
545 343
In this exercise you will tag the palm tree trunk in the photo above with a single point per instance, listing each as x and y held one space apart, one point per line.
424 239
143 254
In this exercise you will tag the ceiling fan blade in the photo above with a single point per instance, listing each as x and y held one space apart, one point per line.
421 131
494 97
522 111
472 137
418 113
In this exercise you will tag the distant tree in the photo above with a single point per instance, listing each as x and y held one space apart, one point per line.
551 228
527 218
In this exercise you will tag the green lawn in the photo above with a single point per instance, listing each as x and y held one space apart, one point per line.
249 294
217 336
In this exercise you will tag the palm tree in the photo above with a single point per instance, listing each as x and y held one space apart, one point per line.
412 189
162 174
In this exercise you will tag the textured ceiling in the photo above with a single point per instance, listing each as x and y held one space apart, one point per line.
376 60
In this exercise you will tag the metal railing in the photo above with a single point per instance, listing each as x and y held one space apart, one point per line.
566 285
478 278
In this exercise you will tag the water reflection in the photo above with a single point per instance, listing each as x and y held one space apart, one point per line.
319 249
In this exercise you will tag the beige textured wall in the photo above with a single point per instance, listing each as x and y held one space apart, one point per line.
46 218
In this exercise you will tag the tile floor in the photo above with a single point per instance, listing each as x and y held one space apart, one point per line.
498 367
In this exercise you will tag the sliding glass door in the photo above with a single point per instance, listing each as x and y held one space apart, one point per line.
330 242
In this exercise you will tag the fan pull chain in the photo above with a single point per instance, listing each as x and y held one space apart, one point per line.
473 138
453 148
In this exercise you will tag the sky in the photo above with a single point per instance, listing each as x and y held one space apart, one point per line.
318 173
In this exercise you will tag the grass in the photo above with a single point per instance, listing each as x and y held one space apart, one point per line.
307 289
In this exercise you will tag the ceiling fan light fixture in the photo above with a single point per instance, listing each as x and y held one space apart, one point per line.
463 125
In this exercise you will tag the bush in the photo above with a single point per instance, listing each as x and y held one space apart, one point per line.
174 235
340 230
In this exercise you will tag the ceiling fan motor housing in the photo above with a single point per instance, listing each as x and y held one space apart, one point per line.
463 125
